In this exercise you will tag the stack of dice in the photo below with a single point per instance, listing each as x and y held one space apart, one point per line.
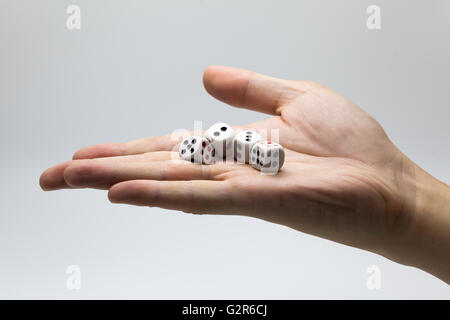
221 142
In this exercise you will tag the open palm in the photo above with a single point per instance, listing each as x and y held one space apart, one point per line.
342 178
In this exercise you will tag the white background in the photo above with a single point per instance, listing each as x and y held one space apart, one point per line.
134 70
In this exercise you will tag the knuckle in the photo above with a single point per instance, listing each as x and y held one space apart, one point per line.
308 84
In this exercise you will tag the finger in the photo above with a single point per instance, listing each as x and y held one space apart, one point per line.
247 89
152 144
196 196
101 174
167 142
53 178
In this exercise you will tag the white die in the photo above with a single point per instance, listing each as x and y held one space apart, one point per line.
221 137
267 156
243 143
196 150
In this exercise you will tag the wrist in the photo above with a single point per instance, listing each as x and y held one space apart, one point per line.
428 237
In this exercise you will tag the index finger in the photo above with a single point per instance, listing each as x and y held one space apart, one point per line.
166 142
138 146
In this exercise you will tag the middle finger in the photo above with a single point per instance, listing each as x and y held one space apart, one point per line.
102 173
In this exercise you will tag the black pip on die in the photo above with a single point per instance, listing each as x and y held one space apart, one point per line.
243 143
196 150
267 156
221 137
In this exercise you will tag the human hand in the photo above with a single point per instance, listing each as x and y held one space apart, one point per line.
343 179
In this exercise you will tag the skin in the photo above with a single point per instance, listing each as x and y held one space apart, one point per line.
343 179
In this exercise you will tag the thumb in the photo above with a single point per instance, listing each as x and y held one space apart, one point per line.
246 89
